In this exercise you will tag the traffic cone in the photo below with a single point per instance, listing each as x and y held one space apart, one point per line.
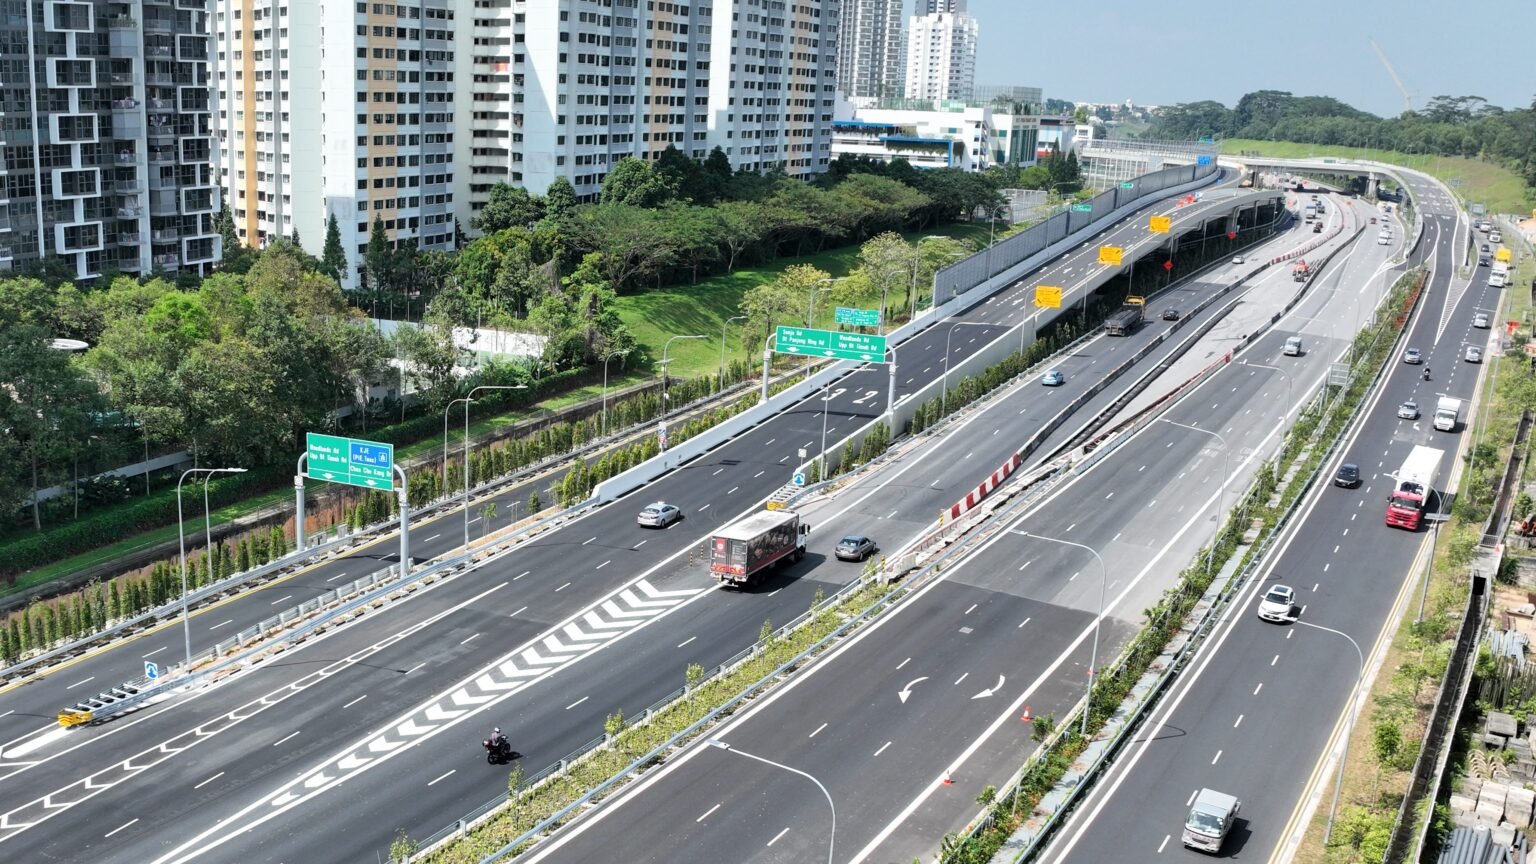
1026 716
948 780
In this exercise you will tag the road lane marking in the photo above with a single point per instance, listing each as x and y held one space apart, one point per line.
518 612
706 506
882 748
522 574
433 537
818 730
588 540
284 738
562 587
1274 661
777 836
903 663
733 490
961 678
119 828
1163 844
466 641
686 641
209 780
604 564
707 812
221 623
78 683
443 777
1258 688
414 668
146 657
355 701
972 609
577 702
1022 623
337 576
1239 721
1216 758
281 599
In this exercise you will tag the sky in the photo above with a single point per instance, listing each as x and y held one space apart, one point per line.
1158 52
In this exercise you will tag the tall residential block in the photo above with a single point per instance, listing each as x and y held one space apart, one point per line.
567 89
941 56
346 108
869 50
106 135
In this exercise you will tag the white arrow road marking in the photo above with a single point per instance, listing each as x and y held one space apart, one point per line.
614 611
648 590
576 634
598 623
907 690
990 690
629 597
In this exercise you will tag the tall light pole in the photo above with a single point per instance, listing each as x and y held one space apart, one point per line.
826 408
944 389
1098 623
446 410
181 536
468 400
722 346
1349 728
1434 540
664 361
832 837
606 358
1221 495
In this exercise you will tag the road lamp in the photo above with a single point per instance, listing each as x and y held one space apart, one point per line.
1349 728
468 400
944 389
1434 540
1098 623
1288 393
664 362
722 346
832 838
446 409
186 624
606 358
826 408
1221 494
914 295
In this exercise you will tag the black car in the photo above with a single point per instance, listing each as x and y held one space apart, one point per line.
1348 476
1170 314
854 547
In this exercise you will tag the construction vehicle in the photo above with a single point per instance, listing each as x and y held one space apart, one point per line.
1301 271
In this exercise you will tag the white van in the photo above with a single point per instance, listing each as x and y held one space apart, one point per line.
1293 346
1210 820
1495 237
1383 238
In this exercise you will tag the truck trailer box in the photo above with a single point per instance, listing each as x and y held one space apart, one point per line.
741 551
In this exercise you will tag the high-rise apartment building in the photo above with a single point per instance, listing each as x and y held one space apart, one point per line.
340 107
106 136
934 7
941 56
869 49
569 89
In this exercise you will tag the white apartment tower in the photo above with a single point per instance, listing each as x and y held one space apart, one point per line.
869 49
340 107
941 54
570 87
106 137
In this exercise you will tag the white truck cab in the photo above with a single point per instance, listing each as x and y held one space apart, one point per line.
1210 819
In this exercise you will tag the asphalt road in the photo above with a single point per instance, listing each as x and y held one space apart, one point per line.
746 469
934 690
1259 710
548 566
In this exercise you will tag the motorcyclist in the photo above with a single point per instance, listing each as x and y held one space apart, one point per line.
1426 373
496 739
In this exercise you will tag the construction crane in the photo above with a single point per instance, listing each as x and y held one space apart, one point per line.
1407 99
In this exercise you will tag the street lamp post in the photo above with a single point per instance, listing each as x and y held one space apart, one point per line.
826 408
1221 495
832 837
1098 623
664 361
1434 540
470 398
446 410
1349 728
944 388
606 358
186 624
722 346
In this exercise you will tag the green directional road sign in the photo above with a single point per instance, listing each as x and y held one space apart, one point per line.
829 343
858 317
1129 184
1083 208
351 461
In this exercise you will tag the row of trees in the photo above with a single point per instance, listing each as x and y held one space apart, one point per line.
1447 126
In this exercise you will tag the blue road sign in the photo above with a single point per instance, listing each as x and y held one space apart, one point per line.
799 478
151 670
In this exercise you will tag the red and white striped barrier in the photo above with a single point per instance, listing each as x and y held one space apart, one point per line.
975 496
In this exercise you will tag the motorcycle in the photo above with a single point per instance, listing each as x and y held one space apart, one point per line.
498 752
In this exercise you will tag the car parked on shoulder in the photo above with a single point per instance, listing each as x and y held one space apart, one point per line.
1278 603
1348 476
854 547
1053 378
658 515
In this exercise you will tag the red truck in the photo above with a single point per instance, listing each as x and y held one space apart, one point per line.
1411 487
741 552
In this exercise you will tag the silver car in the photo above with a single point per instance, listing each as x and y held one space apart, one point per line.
1413 357
1474 354
1408 410
658 515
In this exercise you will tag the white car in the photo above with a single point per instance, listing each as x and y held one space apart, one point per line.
1277 604
1480 321
1408 410
1237 259
1474 354
1412 357
1053 378
658 515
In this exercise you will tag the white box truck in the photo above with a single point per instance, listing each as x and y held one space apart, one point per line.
1498 274
741 552
1447 414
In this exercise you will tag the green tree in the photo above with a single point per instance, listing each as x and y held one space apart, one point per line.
333 258
633 182
507 206
560 200
785 298
379 259
886 265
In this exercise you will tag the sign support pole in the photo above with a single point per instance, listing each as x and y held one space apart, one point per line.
405 523
890 394
298 502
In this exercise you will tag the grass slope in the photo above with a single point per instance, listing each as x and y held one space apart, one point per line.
703 308
1500 189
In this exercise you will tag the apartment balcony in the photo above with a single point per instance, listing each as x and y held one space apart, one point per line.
126 157
123 79
127 187
129 238
130 212
168 259
5 253
165 235
158 104
159 24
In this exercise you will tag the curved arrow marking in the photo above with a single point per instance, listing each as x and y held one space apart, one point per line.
990 690
907 690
